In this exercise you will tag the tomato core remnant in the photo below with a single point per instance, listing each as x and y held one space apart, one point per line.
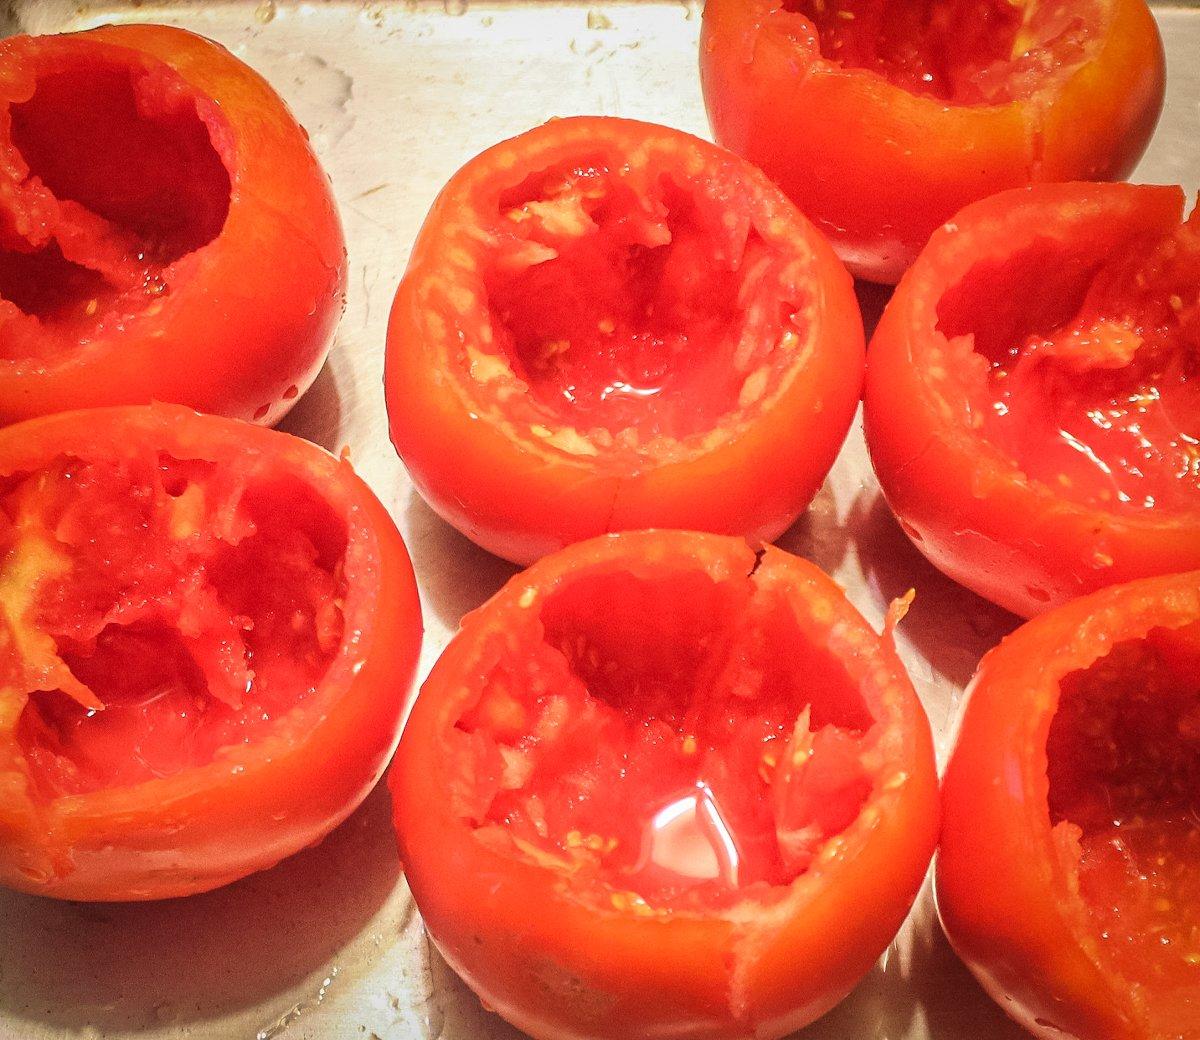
163 609
100 201
965 52
1124 771
668 742
1092 377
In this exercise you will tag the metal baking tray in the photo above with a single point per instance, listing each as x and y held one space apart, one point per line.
328 946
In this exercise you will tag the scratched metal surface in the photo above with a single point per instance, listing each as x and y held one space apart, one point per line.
327 945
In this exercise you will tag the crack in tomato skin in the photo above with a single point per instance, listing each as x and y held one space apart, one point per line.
188 692
663 748
1078 747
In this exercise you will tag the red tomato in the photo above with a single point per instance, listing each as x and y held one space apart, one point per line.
165 230
1033 393
661 785
609 325
882 118
1068 876
207 633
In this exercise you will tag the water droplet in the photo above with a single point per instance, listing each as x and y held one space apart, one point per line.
264 13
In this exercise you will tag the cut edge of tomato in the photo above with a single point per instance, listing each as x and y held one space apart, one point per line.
313 479
1010 67
91 238
1144 614
872 751
573 215
957 369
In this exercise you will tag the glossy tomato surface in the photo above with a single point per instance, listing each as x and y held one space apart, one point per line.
882 118
207 634
1033 393
608 325
1068 875
661 785
165 230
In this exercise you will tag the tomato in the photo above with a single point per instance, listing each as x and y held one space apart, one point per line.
882 118
662 785
165 230
1033 393
608 325
207 634
1068 876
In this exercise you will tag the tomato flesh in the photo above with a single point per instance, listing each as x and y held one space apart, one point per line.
163 609
634 307
666 742
966 52
1092 380
103 198
1124 770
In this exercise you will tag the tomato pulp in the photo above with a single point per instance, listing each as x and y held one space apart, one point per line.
208 631
882 118
165 230
1069 869
607 325
1033 395
663 784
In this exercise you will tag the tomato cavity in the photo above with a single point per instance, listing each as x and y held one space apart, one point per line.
162 609
632 307
101 199
1124 771
662 743
966 52
1091 381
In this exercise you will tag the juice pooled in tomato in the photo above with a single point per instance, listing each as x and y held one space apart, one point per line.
659 783
184 610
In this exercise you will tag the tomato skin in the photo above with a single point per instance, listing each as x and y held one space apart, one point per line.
880 191
1009 914
520 500
557 968
255 804
250 317
964 503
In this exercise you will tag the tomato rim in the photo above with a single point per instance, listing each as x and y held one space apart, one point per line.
751 936
71 845
624 486
1048 977
909 348
269 164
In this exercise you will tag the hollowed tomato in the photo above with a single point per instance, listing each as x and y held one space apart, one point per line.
609 325
207 634
882 118
1033 393
1068 875
165 230
661 785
